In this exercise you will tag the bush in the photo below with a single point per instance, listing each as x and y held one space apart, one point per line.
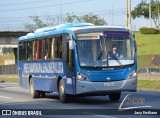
145 30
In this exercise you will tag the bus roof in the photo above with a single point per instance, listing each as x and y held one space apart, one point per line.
69 28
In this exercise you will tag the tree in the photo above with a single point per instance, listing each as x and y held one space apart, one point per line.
89 18
7 50
94 19
70 18
142 10
38 23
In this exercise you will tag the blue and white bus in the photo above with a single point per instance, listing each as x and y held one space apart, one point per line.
74 59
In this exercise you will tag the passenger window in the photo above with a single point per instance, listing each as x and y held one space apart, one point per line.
48 48
65 47
58 47
41 45
30 52
22 51
36 50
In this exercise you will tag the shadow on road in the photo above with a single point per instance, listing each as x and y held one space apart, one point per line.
91 100
5 85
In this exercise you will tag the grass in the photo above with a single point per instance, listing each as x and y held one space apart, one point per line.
5 79
6 57
147 44
144 61
152 84
148 84
141 83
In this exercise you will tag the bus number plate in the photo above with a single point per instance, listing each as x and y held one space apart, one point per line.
109 84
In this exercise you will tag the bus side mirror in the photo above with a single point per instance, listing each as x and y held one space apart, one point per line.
133 34
135 45
71 44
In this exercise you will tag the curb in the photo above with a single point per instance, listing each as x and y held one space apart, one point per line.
2 81
149 89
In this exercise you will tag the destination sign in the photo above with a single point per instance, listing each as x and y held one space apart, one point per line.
45 67
89 36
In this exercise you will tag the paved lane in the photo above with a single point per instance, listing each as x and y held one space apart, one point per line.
14 97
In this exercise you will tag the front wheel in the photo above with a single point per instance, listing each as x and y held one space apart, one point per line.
62 96
42 94
115 96
34 93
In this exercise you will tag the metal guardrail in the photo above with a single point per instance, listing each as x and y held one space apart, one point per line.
8 69
12 28
12 69
149 76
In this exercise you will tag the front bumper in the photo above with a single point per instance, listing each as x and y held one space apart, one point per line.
87 87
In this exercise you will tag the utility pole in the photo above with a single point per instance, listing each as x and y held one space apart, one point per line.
150 14
158 14
128 14
111 13
61 19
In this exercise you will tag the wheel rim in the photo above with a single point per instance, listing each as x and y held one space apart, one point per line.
31 88
61 90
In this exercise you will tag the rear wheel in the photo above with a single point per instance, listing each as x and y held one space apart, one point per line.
62 96
34 93
115 96
42 94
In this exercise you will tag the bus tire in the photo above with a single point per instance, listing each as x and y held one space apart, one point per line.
42 94
115 96
34 93
64 98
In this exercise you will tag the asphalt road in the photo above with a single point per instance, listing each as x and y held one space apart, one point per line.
17 99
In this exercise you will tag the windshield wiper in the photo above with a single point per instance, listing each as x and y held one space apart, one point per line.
98 58
119 62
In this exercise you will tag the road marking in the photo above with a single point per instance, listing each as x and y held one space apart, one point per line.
120 106
128 108
5 103
5 97
103 116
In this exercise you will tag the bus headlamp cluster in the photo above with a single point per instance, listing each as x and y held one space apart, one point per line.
133 74
80 76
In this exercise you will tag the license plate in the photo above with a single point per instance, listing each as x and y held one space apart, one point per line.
109 84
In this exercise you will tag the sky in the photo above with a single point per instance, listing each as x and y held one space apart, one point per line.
14 13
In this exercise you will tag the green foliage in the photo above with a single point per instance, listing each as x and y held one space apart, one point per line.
142 10
149 84
145 30
37 23
8 79
7 50
141 63
70 18
88 18
94 19
147 44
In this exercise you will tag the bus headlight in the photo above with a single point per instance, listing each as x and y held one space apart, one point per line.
133 74
80 76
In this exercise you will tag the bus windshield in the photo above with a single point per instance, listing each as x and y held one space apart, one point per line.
105 49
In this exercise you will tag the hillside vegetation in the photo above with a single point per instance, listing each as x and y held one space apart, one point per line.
147 46
6 57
